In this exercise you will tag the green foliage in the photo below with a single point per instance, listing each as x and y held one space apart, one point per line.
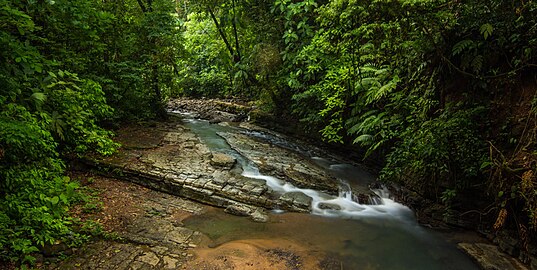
76 105
415 81
229 49
447 151
65 68
34 194
206 71
46 112
385 75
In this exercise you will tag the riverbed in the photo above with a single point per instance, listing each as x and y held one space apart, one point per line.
349 235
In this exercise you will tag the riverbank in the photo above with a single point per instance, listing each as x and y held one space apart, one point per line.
153 230
168 156
149 233
428 213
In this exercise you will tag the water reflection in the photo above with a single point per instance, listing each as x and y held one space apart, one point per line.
368 243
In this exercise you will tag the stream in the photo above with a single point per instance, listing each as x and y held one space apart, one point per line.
382 235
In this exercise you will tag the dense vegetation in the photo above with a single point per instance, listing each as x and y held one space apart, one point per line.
443 92
68 68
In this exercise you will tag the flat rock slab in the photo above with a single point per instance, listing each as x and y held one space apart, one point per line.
149 229
282 163
297 201
223 160
489 257
105 255
181 164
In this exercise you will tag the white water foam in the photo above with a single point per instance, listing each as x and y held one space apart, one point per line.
342 205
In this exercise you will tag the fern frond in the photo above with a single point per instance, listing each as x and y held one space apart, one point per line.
462 46
477 63
363 139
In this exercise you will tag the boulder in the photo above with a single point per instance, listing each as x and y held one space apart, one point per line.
296 201
222 160
329 206
259 215
242 210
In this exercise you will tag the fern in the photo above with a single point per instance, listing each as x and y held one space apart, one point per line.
462 46
477 63
376 93
486 30
363 139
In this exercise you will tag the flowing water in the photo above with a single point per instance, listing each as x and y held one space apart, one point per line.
381 236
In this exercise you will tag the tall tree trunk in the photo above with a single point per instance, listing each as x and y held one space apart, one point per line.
222 34
157 105
237 57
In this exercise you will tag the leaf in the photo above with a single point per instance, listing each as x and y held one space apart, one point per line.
477 63
461 46
38 98
55 200
486 30
364 139
485 165
38 68
63 198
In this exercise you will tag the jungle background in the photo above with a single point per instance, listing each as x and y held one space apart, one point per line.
440 94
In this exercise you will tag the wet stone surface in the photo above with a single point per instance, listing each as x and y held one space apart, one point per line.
182 165
489 257
283 163
150 233
176 161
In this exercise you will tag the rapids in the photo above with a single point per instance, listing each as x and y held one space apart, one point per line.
381 235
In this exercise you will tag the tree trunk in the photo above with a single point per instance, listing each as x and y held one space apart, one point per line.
222 34
236 57
157 105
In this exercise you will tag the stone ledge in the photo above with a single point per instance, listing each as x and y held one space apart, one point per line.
489 257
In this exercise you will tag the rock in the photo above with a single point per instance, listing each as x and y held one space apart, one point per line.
329 206
296 201
489 257
533 264
223 160
239 210
224 116
259 216
149 258
170 263
507 244
283 163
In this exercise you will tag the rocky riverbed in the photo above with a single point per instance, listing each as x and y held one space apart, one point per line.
147 231
185 176
169 157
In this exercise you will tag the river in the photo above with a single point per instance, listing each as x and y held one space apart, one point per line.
356 236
